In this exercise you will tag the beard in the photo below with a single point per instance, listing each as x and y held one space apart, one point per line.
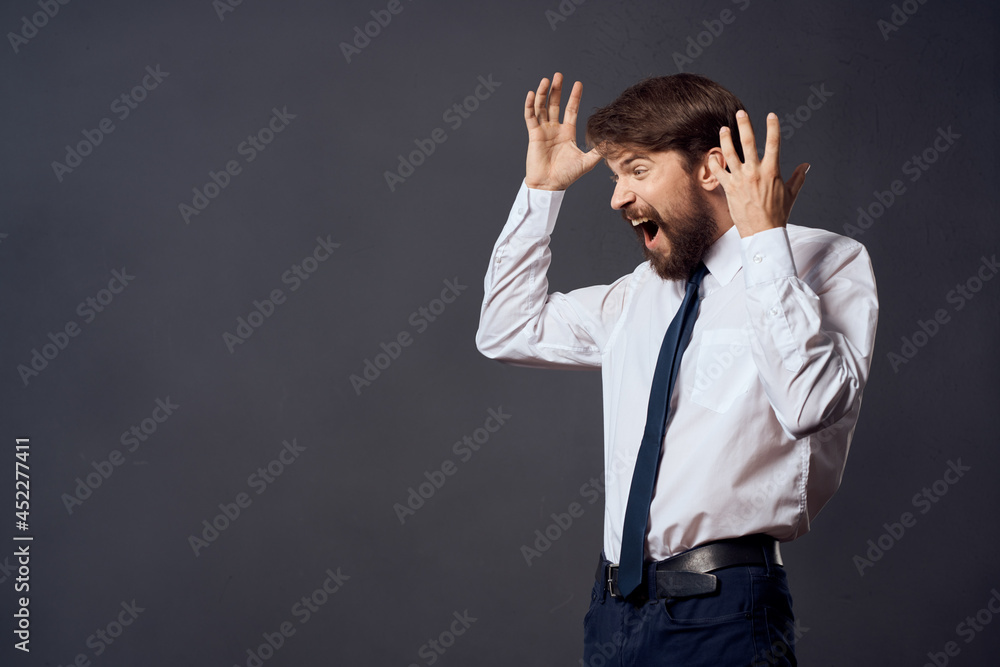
690 232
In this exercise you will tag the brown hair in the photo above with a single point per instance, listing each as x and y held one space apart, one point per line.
681 112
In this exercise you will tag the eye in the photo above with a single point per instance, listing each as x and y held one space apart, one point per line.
638 171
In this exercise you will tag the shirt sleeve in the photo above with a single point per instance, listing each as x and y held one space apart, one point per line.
520 322
812 325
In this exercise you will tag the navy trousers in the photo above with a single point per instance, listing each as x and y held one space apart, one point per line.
748 621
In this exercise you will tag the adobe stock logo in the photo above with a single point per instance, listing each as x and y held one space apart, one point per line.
264 309
249 148
87 309
924 500
899 16
967 629
104 637
696 44
782 646
962 294
593 490
230 512
795 121
222 7
454 115
438 476
132 438
915 167
420 320
362 38
303 610
122 106
566 8
38 20
435 648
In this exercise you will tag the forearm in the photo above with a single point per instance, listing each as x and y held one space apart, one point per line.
813 349
516 285
520 322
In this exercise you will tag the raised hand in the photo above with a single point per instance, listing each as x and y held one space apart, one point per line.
758 198
554 160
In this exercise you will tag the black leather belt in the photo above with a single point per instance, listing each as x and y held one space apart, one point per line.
688 574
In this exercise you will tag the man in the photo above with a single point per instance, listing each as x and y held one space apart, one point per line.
733 364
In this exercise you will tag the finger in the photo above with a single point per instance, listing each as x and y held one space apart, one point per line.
555 96
718 169
529 111
541 113
728 150
796 181
573 105
592 157
772 145
746 138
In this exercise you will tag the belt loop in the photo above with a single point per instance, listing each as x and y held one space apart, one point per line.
652 594
605 575
767 546
771 553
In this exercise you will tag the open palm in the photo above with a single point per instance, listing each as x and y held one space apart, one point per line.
554 160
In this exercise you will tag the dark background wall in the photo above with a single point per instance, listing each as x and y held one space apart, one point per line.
116 519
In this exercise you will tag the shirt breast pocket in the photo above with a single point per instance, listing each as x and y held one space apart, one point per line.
724 370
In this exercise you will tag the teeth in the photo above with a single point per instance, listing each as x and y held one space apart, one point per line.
639 221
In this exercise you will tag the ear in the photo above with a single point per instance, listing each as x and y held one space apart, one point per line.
703 174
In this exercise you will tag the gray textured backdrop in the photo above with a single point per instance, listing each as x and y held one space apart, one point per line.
150 408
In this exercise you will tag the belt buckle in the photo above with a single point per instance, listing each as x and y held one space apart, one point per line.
611 587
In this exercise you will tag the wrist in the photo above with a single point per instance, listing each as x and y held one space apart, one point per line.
533 185
749 230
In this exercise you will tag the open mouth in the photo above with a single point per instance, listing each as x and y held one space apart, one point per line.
650 230
646 229
645 222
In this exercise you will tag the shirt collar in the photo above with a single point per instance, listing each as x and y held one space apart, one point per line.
724 257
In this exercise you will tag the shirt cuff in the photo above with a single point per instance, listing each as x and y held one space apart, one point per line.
767 256
536 210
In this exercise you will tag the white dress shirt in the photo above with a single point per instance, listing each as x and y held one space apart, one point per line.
768 391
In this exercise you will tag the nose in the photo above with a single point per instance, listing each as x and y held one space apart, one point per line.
622 196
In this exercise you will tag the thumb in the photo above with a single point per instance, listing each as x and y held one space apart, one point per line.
592 157
797 180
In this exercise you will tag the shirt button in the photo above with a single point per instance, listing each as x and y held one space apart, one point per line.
520 210
758 258
774 312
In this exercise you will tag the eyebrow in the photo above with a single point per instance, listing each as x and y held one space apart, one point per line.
634 156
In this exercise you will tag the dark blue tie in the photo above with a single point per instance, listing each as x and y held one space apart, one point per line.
648 461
